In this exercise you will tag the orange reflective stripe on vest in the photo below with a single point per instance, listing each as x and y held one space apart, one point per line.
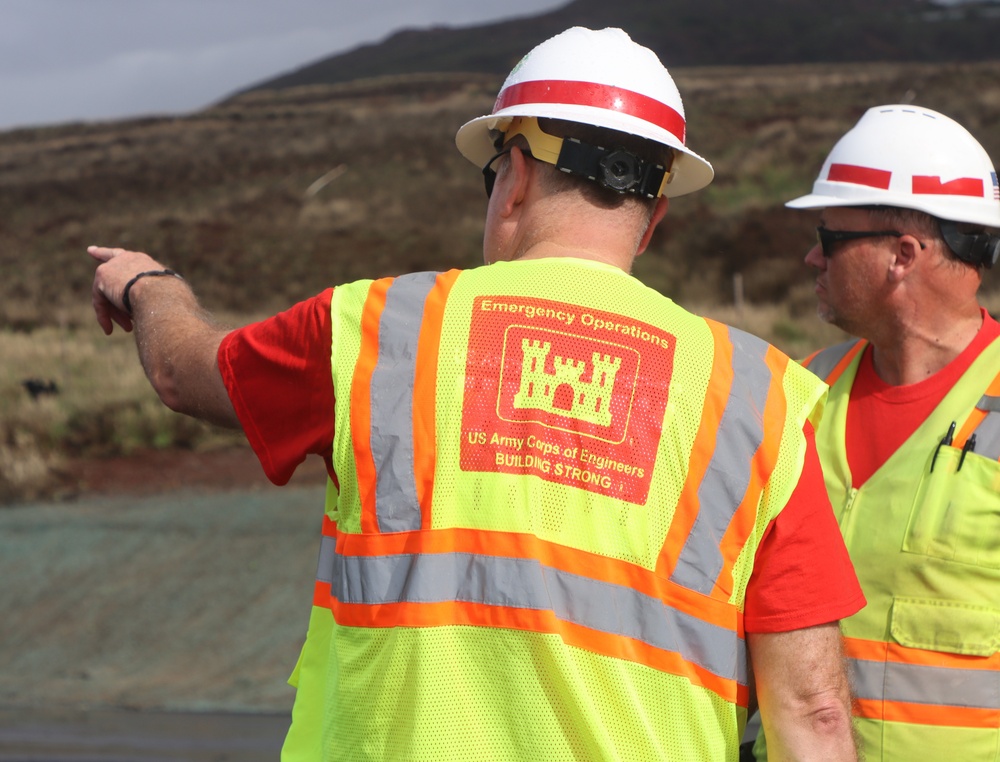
988 431
425 391
893 683
985 422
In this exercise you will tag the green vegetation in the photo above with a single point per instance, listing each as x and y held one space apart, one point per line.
223 196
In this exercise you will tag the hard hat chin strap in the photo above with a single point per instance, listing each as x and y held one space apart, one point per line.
974 248
615 168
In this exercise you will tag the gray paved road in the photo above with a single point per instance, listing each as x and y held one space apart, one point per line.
33 735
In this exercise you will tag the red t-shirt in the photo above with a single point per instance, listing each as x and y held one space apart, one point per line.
895 412
279 380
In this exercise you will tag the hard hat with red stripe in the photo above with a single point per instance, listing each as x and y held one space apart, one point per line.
600 78
911 158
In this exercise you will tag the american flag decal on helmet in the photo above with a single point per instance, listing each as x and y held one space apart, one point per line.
996 186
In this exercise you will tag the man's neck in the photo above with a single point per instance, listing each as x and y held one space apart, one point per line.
917 352
550 249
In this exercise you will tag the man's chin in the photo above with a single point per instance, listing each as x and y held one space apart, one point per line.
830 316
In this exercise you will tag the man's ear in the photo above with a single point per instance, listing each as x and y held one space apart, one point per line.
907 252
658 213
515 184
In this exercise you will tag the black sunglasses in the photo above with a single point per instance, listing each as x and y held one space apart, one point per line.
490 174
827 238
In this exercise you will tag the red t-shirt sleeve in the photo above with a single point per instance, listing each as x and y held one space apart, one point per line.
278 376
802 574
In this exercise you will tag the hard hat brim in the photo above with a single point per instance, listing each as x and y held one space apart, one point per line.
988 216
816 201
475 141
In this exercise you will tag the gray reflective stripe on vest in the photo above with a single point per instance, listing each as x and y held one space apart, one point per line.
392 381
823 363
721 491
919 684
327 559
528 584
988 431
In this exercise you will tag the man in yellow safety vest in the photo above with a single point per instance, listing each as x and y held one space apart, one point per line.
566 519
910 437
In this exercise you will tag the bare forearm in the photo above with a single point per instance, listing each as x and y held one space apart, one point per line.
805 700
178 342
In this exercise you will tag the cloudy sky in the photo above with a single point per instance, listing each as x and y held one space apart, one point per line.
68 60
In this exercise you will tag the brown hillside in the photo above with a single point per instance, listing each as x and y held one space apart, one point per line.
277 194
230 196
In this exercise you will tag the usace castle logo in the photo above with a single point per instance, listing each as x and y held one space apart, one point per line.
564 391
564 381
553 391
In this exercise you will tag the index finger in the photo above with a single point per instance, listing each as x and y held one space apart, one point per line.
103 253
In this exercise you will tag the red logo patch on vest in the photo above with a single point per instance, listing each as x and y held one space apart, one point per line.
572 395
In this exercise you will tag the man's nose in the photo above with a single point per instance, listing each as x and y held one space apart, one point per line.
815 258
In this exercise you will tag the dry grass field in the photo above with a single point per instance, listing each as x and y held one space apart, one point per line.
268 198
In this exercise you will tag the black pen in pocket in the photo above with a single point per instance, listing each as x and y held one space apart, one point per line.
945 440
969 446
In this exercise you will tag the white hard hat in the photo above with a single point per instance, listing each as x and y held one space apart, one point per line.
600 78
912 158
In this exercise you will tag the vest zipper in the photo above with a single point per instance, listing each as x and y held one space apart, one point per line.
848 504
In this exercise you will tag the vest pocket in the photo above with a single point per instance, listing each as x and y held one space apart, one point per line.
956 512
948 626
955 681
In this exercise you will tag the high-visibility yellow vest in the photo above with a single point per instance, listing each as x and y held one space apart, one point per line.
924 535
547 516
